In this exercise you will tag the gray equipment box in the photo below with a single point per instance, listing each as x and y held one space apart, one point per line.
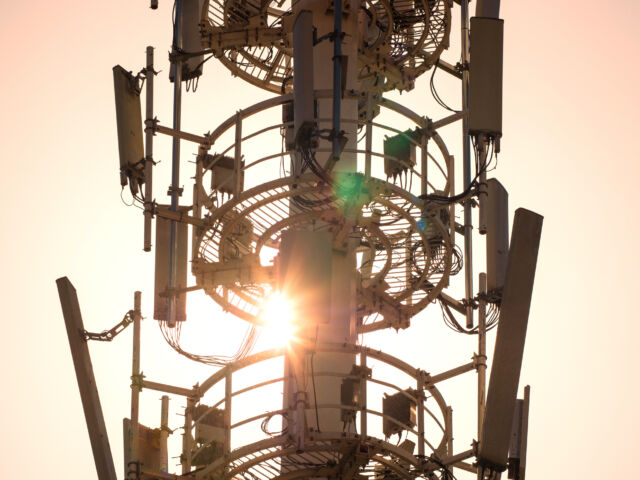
400 408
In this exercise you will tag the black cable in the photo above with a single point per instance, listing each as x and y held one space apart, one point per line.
434 92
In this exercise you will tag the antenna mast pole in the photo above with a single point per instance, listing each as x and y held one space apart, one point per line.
174 189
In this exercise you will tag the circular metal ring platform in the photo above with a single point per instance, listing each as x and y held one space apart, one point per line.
343 454
406 254
404 39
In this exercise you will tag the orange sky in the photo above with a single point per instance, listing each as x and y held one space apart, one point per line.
567 153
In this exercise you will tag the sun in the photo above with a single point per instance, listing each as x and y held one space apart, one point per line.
277 316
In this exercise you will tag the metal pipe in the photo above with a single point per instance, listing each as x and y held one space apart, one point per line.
482 351
164 434
148 158
525 432
368 137
420 388
451 164
448 67
466 160
337 75
185 458
454 372
363 395
135 376
443 122
448 425
482 190
197 205
161 387
174 190
424 162
452 460
300 423
228 390
237 163
191 137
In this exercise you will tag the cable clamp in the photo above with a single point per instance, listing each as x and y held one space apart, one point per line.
479 360
469 302
137 381
171 190
462 67
151 124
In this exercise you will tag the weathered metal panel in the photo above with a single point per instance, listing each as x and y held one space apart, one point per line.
509 348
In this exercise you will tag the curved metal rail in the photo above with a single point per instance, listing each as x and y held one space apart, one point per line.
325 453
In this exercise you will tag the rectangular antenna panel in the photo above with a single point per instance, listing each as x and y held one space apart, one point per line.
191 39
497 205
512 330
129 122
485 77
161 303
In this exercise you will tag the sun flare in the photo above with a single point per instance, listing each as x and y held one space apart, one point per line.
277 315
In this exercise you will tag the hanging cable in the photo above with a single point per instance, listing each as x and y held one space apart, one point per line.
172 337
434 92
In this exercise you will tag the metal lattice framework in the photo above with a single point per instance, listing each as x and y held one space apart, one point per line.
405 244
404 39
365 190
406 252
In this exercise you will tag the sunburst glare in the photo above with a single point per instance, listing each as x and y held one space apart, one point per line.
278 319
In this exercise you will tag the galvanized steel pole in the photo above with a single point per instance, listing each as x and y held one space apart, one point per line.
148 149
337 75
136 381
174 189
164 434
482 351
466 161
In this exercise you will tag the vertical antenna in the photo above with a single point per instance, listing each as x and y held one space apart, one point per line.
466 162
482 350
337 77
136 380
148 159
174 189
164 434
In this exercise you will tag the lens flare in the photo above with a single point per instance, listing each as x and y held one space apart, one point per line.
277 316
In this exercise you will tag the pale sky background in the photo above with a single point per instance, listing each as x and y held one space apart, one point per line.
568 153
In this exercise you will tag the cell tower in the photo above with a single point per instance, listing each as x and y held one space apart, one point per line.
347 207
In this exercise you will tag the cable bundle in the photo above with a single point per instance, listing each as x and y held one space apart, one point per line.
172 337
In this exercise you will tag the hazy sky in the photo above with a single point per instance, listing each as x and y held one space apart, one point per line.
568 153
